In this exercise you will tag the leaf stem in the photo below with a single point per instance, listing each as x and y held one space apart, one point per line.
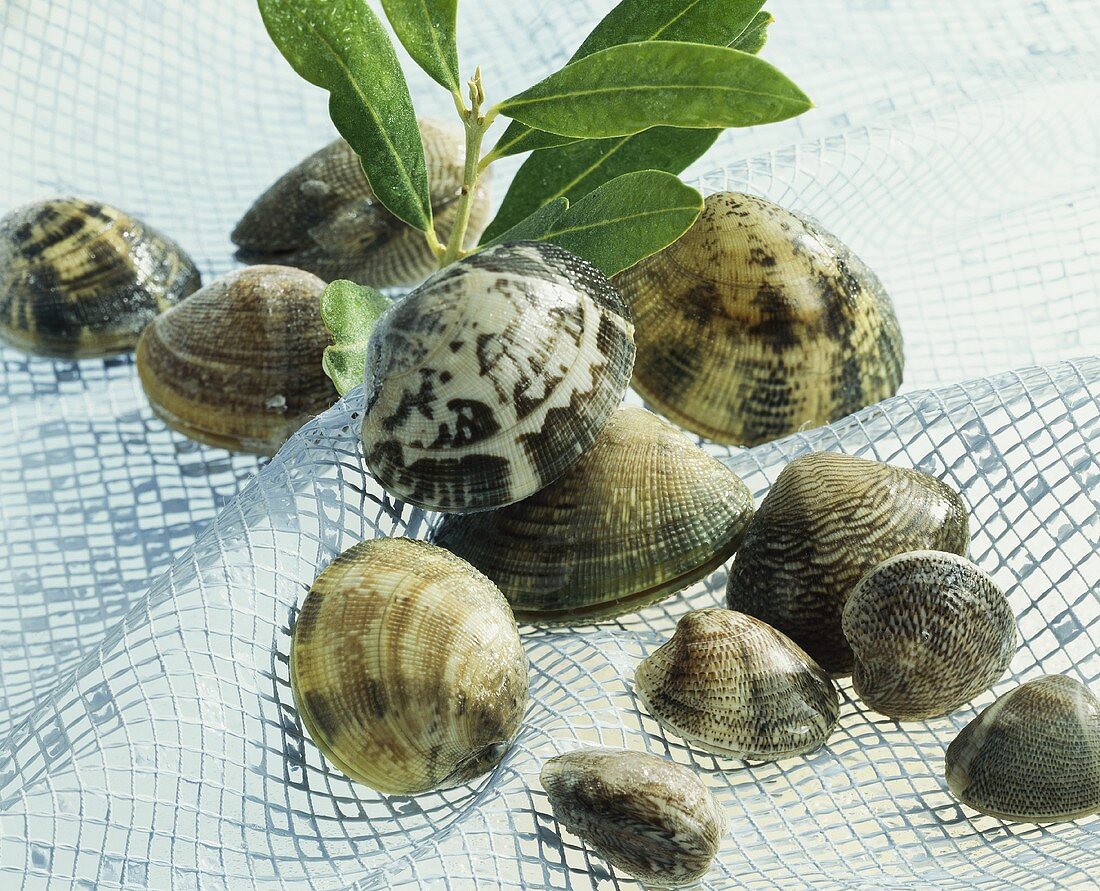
476 125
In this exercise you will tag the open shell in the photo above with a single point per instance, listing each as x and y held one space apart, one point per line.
644 513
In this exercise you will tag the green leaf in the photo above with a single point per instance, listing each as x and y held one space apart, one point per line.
627 219
534 226
717 22
426 28
349 311
753 38
340 45
629 88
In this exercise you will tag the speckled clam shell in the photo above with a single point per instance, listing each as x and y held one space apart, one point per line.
651 818
238 364
730 685
827 521
1033 755
644 513
407 668
322 216
929 631
757 322
491 378
80 279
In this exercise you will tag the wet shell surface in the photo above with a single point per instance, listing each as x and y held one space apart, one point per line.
80 278
929 631
491 378
731 685
1033 755
644 513
827 521
649 817
407 668
238 364
758 322
322 216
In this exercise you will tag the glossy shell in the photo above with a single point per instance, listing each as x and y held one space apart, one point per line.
644 513
1033 755
407 668
757 322
929 631
731 685
491 378
238 364
646 816
322 216
80 279
827 521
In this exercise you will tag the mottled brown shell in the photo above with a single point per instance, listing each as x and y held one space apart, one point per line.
489 380
407 668
929 631
731 685
644 513
757 322
1033 755
238 364
653 819
80 278
827 521
322 216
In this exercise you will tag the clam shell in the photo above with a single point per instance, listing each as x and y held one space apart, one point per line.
649 817
80 278
644 513
1033 755
238 364
407 668
731 685
929 631
322 216
757 323
491 378
827 521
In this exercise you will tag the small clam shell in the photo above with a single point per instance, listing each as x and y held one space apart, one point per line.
929 631
644 513
1033 755
647 816
322 216
826 522
407 668
238 364
757 322
491 378
81 279
729 684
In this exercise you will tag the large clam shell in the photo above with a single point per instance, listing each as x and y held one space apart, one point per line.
1033 755
81 278
644 513
731 685
322 216
491 378
758 322
826 522
407 668
238 364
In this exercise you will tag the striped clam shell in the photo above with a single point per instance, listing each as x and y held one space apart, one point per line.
491 378
407 668
644 513
757 322
826 521
322 216
80 279
1033 755
238 364
731 685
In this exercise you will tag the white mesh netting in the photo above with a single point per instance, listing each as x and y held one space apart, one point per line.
954 147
